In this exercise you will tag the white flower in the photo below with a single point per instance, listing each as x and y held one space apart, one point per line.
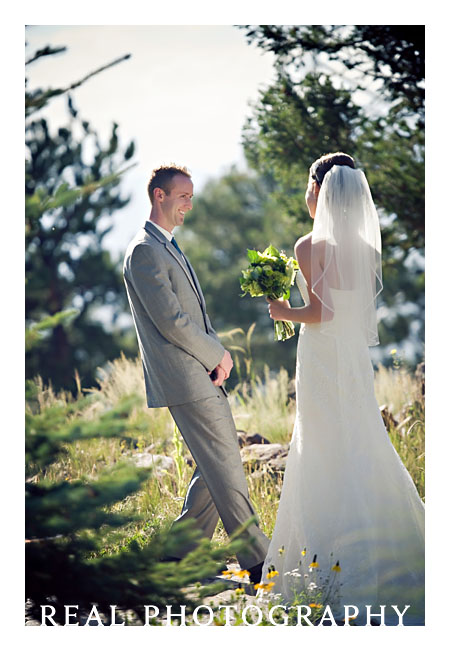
294 573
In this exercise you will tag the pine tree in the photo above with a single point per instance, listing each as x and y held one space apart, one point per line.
72 187
66 522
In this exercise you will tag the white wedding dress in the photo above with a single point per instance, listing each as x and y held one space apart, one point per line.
346 494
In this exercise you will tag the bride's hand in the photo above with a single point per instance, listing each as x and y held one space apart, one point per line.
279 309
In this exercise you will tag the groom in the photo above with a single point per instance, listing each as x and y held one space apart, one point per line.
185 365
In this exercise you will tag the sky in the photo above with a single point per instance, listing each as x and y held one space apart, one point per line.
182 97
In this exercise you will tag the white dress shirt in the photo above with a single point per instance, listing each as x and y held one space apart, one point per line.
165 232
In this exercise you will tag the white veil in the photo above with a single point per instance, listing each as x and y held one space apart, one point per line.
346 251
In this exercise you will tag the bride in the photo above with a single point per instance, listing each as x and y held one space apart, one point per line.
349 515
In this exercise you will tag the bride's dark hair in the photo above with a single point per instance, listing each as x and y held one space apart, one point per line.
323 164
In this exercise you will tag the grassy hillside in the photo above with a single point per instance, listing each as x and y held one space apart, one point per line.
264 405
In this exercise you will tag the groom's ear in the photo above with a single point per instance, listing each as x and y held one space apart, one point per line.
158 194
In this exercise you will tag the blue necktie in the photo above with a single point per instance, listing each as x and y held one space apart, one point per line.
174 242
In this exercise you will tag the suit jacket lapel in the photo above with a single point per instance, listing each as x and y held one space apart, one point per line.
183 262
197 285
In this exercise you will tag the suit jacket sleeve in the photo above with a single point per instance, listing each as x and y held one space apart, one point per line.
150 279
211 330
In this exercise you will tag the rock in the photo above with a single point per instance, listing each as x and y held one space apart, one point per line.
158 462
245 438
272 455
388 418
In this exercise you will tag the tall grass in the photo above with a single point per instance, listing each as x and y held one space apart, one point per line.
262 405
401 392
395 387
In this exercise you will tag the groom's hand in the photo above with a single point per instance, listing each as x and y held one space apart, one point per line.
218 376
226 364
222 371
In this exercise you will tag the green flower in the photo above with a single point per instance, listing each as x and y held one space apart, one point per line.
270 274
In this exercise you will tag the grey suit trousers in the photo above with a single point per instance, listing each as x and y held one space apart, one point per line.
220 488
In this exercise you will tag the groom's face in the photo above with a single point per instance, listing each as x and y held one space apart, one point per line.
178 201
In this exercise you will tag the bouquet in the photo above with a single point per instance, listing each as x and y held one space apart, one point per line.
270 274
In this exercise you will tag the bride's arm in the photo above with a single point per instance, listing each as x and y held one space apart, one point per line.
280 310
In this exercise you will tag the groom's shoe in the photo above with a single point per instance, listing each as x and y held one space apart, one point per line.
255 573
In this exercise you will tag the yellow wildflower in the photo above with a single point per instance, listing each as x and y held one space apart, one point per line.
337 567
239 591
314 562
271 574
315 605
394 351
227 572
264 586
242 573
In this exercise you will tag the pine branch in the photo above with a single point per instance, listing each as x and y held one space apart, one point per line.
33 333
34 102
39 203
46 51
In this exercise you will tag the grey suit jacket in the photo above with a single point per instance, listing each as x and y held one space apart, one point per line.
177 343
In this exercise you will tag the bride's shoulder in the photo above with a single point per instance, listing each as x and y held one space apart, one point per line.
303 245
302 250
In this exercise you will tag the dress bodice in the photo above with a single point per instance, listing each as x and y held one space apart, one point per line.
347 322
302 286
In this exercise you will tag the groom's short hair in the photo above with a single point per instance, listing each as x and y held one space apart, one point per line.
162 178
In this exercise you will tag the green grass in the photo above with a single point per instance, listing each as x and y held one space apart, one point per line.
262 405
401 392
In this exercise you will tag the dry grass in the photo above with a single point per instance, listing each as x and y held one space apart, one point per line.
395 387
262 406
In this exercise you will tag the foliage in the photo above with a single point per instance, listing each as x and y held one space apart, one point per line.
294 123
39 98
265 405
34 333
318 104
290 126
392 56
71 191
312 586
68 518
